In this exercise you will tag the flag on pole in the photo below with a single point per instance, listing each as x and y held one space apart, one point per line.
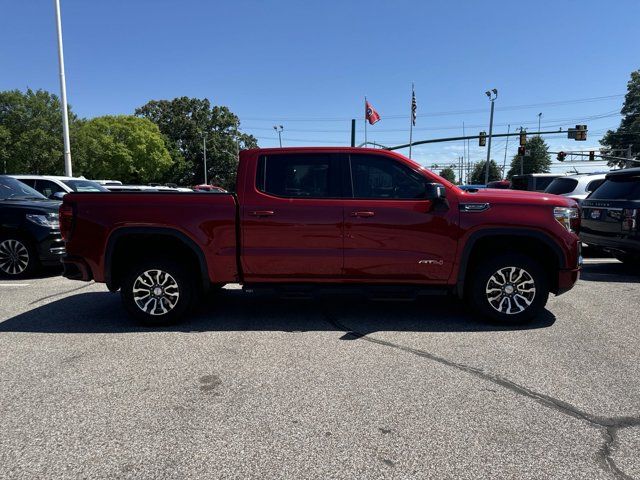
414 107
370 114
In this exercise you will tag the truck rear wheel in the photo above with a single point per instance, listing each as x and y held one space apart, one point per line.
510 288
158 292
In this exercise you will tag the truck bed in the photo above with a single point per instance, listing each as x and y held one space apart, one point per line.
209 220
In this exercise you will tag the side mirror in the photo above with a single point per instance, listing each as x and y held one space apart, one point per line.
436 192
57 196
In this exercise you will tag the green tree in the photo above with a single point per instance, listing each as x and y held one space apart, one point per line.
31 132
5 138
122 147
185 123
478 172
538 160
448 174
616 142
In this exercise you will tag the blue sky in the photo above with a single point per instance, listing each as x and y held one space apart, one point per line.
308 65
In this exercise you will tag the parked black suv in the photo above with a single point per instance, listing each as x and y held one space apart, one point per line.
29 231
610 215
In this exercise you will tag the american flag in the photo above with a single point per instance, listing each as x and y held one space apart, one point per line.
414 107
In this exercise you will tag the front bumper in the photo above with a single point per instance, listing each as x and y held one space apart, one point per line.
51 249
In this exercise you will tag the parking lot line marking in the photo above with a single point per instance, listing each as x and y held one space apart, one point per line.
14 284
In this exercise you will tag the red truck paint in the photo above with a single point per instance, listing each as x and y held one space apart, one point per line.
256 237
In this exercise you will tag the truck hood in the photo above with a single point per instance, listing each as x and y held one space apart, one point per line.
517 197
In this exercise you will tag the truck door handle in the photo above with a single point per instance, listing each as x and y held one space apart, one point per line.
262 213
362 214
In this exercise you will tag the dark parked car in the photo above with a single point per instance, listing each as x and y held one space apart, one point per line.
610 215
29 230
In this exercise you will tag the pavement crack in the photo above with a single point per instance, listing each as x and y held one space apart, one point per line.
609 426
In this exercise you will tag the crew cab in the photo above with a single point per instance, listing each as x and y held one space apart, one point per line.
319 218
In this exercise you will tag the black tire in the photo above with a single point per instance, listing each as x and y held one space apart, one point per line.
160 307
18 257
521 274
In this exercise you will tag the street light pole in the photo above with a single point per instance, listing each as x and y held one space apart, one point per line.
539 117
279 129
63 95
492 94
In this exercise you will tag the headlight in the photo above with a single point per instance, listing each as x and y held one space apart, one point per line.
568 217
49 220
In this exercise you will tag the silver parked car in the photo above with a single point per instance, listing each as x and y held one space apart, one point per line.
577 187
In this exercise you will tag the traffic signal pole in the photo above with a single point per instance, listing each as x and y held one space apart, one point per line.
466 137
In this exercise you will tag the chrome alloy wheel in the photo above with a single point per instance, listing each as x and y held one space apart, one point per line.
14 257
156 292
510 290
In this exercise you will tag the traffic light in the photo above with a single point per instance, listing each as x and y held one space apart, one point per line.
482 140
523 138
521 151
592 156
579 133
561 156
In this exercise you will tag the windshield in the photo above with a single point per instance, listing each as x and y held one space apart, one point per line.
561 185
84 186
10 188
618 189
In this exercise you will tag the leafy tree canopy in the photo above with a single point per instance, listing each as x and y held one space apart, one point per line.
616 142
478 172
186 123
538 160
121 147
31 132
448 174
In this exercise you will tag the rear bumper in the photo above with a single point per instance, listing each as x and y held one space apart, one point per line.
75 268
630 245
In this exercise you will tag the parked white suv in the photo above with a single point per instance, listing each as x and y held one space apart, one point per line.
576 186
53 186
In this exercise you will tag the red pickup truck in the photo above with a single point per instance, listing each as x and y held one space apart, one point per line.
317 218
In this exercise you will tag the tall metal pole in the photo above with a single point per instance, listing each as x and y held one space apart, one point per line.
204 150
539 117
353 132
63 95
504 164
365 121
492 99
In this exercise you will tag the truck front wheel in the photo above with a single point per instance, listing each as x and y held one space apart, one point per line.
509 288
158 292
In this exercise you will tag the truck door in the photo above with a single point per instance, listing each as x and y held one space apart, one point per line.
292 218
392 233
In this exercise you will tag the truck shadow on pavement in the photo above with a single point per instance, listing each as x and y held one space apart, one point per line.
233 310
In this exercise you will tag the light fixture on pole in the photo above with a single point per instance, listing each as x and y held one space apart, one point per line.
492 94
204 154
279 129
539 117
63 95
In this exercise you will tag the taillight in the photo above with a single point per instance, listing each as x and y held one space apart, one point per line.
66 220
629 219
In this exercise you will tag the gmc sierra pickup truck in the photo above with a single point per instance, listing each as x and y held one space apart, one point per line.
324 217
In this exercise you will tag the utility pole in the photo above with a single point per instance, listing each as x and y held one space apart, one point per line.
353 132
204 151
63 95
504 163
279 129
492 99
629 157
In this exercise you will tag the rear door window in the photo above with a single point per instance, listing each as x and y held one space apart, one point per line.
299 175
593 184
561 185
618 189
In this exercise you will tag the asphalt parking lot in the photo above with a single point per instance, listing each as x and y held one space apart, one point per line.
346 388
